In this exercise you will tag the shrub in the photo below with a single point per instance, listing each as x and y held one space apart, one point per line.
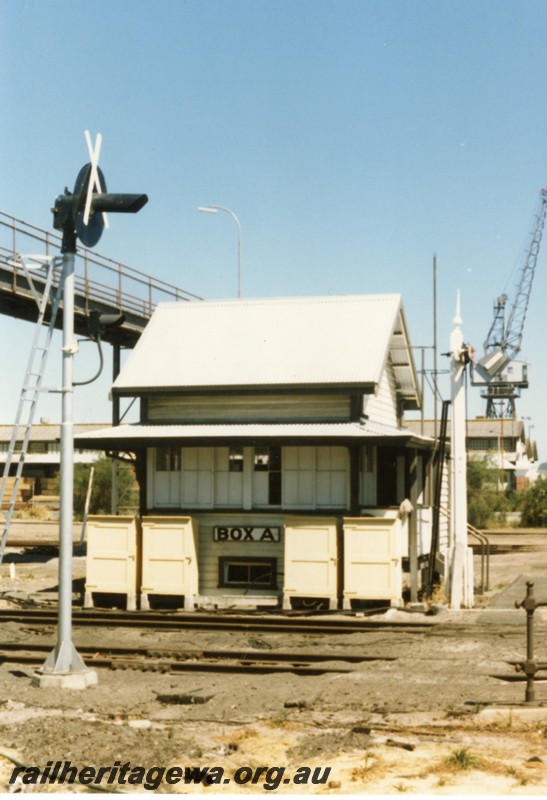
484 500
101 495
534 504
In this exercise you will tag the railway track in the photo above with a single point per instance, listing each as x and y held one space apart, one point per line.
217 622
256 622
175 660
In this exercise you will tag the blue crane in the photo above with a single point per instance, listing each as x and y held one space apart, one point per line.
498 371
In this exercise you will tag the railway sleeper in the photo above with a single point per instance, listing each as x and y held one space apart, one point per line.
140 664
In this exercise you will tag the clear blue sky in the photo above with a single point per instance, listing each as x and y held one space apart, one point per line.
353 139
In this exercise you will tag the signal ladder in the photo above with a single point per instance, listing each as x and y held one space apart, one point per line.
45 294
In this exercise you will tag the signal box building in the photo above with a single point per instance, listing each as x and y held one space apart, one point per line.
273 432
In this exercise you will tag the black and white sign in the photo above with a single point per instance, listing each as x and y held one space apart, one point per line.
246 533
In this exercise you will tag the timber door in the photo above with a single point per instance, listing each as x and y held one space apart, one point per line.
310 559
111 563
169 559
372 563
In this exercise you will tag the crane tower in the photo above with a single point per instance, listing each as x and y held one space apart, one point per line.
500 374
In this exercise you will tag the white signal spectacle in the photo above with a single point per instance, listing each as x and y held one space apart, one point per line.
94 184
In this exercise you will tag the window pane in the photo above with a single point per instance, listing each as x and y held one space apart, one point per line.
261 574
37 447
248 572
174 459
161 459
262 459
274 489
235 459
237 573
168 459
275 459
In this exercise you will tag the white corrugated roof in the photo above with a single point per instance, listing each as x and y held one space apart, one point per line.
137 433
313 341
46 432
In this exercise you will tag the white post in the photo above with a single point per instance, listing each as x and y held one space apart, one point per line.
458 538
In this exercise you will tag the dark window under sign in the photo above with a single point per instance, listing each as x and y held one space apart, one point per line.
268 459
168 459
247 573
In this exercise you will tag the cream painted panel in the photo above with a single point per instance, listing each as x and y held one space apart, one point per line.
111 563
228 485
298 465
169 556
167 488
310 557
164 487
260 484
372 565
197 476
332 478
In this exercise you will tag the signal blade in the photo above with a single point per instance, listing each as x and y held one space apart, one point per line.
94 183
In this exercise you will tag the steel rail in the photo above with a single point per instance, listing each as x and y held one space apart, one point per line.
179 654
172 661
217 622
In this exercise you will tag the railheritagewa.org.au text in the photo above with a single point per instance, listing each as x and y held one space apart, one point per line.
151 778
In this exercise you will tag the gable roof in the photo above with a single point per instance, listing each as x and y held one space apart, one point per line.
298 343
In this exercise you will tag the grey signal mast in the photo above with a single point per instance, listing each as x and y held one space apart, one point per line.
80 214
500 374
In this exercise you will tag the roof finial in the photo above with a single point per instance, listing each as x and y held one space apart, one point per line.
458 316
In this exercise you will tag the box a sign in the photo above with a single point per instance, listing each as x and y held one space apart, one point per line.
246 533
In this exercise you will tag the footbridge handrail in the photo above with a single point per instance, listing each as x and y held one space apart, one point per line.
98 278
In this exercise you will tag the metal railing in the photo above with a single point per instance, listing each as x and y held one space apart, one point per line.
97 278
484 549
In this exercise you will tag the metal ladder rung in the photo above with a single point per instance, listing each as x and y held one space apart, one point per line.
30 391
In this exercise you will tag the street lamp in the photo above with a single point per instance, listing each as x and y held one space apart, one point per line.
215 210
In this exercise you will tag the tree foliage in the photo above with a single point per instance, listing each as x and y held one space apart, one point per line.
101 495
484 499
534 504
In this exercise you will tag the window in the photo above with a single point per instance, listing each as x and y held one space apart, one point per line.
387 494
37 447
268 459
485 444
247 573
482 443
168 459
235 459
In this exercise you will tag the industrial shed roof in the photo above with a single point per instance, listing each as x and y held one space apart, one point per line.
47 432
309 342
479 428
132 436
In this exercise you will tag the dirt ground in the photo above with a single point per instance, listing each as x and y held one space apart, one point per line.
435 720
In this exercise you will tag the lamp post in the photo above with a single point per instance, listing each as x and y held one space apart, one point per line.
215 210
